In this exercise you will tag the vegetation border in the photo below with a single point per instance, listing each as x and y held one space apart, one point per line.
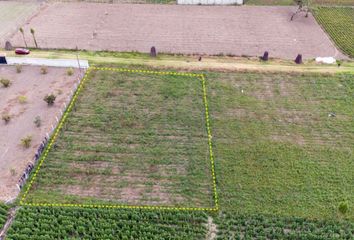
65 115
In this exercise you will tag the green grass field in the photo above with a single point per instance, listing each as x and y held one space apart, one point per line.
131 139
278 150
339 24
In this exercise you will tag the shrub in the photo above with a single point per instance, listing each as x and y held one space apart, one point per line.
18 68
22 99
5 82
13 172
70 72
38 121
26 142
6 117
50 99
343 207
44 70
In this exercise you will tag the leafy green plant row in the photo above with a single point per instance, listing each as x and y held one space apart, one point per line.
339 24
233 226
80 223
3 214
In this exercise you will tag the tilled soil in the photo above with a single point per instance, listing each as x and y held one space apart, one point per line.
212 30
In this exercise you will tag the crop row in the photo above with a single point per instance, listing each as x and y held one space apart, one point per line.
3 214
339 24
264 227
80 223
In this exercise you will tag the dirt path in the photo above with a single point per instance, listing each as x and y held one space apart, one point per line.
211 30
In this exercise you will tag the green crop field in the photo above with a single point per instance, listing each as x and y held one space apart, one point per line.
283 144
131 139
339 24
3 214
39 223
282 147
233 226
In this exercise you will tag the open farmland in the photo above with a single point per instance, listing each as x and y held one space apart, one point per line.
283 144
22 101
179 29
339 24
132 139
12 15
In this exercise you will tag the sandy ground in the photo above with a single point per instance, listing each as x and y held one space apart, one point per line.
30 83
246 30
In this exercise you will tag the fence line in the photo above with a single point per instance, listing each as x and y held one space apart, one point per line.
30 166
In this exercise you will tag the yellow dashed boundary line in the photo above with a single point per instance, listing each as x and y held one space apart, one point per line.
63 119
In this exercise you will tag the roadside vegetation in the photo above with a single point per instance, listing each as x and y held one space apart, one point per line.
339 24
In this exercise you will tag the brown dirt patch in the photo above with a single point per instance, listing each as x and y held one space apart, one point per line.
33 85
212 30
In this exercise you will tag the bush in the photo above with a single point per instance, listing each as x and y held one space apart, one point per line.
6 118
343 207
18 68
5 82
70 72
37 121
26 142
22 99
44 70
50 99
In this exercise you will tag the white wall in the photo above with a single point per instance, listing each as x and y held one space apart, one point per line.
210 2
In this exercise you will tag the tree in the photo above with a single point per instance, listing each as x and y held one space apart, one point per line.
23 36
34 38
303 6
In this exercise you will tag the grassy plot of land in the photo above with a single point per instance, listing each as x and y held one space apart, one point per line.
77 223
283 143
131 138
339 24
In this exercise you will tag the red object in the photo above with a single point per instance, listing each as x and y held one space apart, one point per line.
22 51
